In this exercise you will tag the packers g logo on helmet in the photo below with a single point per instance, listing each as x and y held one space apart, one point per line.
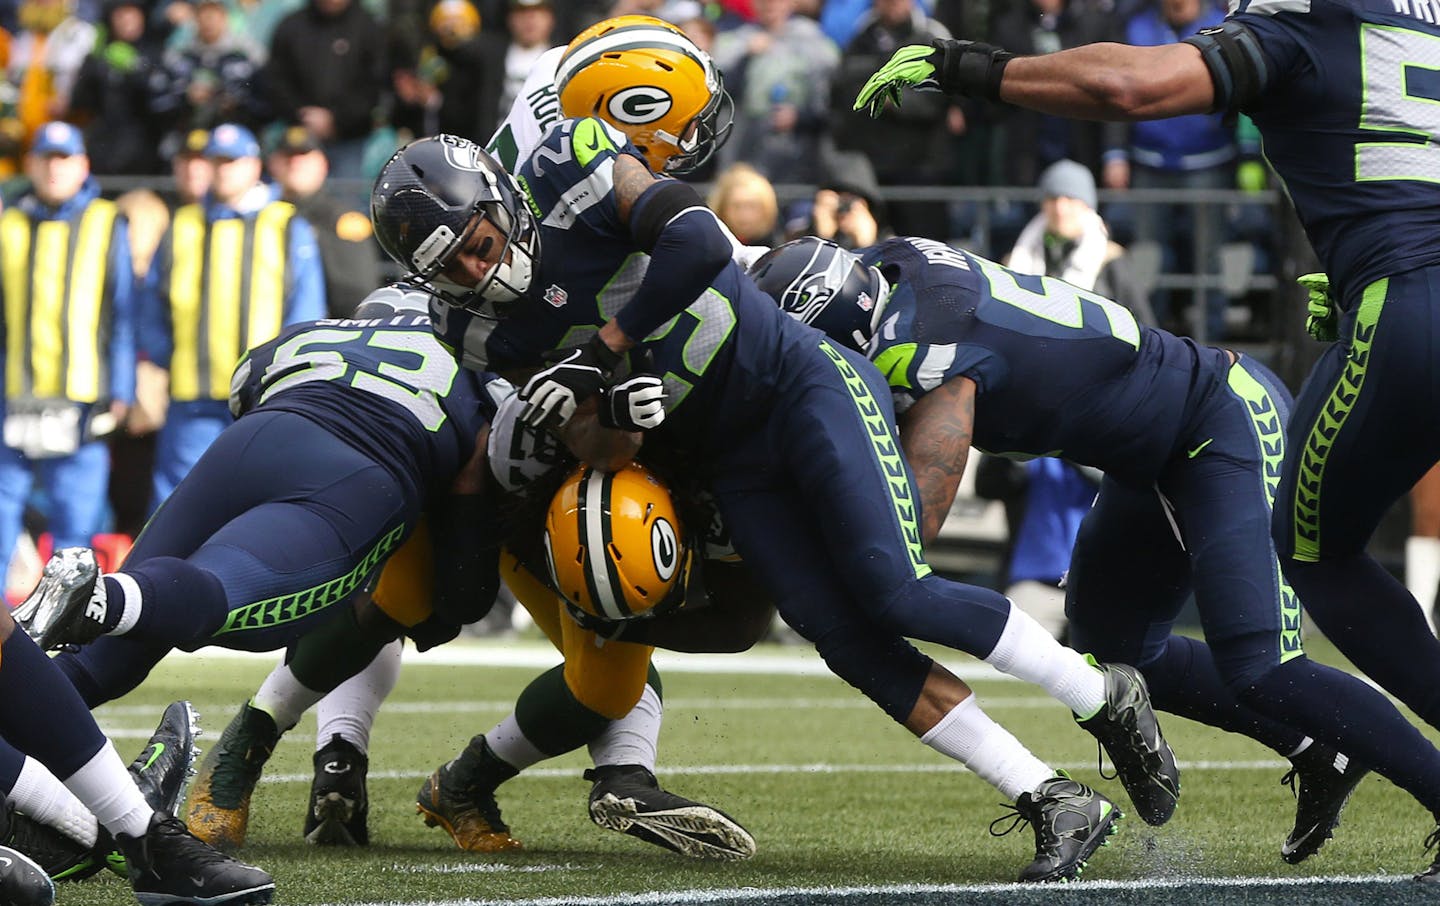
615 545
645 78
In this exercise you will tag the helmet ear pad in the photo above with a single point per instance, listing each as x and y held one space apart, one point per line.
614 545
821 284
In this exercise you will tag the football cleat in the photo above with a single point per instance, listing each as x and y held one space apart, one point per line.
60 857
1431 875
169 866
22 882
1128 730
456 799
164 767
338 803
1326 778
58 611
220 803
628 799
1070 820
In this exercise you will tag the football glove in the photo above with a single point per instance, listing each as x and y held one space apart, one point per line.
1322 321
635 404
552 394
968 68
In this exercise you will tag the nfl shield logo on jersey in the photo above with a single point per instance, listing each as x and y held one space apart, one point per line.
556 296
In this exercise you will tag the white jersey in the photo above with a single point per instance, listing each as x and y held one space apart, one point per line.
536 108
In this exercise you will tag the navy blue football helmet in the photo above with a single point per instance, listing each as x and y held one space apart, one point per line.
819 283
425 204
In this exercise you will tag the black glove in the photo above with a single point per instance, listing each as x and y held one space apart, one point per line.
970 68
635 404
432 632
552 394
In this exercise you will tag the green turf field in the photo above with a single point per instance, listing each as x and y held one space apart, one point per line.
846 806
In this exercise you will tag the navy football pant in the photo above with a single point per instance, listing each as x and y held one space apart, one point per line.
820 504
1206 527
1366 427
277 522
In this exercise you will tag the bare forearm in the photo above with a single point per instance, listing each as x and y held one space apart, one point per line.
1111 82
935 435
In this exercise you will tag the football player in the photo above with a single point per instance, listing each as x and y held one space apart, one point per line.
1190 440
1345 110
771 414
101 801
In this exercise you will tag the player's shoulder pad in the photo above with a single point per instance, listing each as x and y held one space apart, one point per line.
585 141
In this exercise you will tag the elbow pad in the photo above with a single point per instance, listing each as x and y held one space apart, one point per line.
1237 65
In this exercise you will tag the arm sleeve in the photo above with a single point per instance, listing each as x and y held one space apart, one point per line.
307 292
122 325
689 252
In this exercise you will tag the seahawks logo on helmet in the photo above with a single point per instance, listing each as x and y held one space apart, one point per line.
640 104
664 548
808 294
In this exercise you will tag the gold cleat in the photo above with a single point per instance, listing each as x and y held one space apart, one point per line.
470 816
220 798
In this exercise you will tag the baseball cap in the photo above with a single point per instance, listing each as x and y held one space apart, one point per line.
296 140
58 138
195 142
233 142
1068 179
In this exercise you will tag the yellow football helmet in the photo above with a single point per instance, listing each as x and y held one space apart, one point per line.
645 78
615 546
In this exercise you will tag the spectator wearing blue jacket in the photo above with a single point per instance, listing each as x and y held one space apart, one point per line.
1183 152
231 271
67 359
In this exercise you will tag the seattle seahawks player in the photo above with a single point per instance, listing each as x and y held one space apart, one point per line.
347 431
1190 440
1345 102
621 241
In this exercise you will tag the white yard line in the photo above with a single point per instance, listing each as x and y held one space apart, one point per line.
1000 891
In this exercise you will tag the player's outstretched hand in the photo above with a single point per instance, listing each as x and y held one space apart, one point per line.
912 66
552 394
635 404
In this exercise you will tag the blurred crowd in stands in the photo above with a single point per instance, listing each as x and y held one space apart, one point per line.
324 90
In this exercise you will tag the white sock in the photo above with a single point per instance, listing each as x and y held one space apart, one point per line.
1422 573
968 735
284 697
130 606
40 794
633 738
108 790
511 746
1026 651
349 711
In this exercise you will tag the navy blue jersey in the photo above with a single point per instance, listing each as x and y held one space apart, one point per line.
386 387
1350 117
719 357
1059 371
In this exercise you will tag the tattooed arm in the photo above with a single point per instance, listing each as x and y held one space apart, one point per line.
935 435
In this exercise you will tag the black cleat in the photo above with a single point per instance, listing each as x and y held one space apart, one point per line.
220 803
338 803
627 798
58 611
60 857
1327 778
163 768
1070 820
169 866
22 882
1127 728
1431 875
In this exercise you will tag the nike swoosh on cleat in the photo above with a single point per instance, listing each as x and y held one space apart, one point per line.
154 756
1289 847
